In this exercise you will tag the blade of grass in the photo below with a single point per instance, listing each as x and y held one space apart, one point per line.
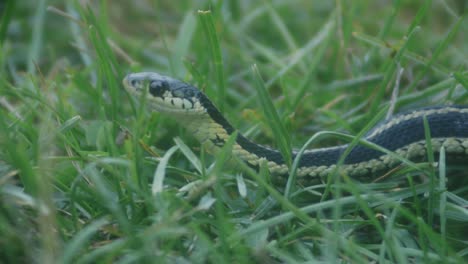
390 70
160 172
438 51
373 200
18 156
408 54
426 93
424 8
334 175
266 51
77 244
312 68
279 131
283 31
37 36
6 18
430 157
462 79
389 22
182 43
106 251
299 55
443 197
106 196
107 68
207 21
224 226
78 36
188 153
388 244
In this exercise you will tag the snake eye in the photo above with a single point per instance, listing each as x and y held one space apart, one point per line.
157 88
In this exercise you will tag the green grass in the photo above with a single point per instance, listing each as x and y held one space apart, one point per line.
88 175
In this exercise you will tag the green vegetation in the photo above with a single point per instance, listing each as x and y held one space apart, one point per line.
88 175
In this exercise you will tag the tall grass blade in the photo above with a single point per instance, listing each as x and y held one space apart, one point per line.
272 117
209 29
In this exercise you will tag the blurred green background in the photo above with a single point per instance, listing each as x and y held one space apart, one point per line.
78 155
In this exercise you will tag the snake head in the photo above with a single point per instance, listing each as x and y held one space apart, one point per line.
165 94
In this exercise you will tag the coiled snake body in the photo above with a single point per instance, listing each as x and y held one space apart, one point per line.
403 134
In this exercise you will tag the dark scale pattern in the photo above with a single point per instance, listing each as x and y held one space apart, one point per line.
259 150
452 124
214 112
324 157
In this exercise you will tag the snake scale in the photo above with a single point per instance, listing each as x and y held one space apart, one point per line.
402 134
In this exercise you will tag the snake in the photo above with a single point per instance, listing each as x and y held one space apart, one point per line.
402 134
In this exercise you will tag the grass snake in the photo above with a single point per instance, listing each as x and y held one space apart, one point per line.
402 134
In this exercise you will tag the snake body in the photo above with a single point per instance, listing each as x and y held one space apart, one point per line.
402 134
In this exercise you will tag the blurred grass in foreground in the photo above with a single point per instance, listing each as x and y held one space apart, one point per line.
89 175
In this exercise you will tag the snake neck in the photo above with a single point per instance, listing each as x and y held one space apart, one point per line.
213 131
